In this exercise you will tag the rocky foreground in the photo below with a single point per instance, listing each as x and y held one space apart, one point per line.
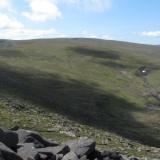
20 144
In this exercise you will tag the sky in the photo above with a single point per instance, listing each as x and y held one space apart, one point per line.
124 20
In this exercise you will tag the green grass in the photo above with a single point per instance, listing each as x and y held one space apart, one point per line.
91 82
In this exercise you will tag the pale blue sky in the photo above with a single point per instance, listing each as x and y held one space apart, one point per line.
125 20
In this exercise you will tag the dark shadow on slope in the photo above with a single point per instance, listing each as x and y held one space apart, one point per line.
78 101
96 53
117 65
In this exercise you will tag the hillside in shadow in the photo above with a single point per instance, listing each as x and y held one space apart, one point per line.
117 65
78 101
110 54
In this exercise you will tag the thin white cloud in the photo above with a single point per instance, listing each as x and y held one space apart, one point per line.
25 33
11 28
97 5
42 10
150 33
6 6
89 5
86 34
4 3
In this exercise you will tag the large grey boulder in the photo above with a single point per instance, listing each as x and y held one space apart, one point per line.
95 155
70 156
123 157
107 155
1 135
82 146
20 144
9 138
63 149
115 156
84 158
107 158
27 151
30 139
7 154
1 156
26 136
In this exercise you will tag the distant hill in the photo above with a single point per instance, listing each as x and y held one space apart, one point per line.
93 82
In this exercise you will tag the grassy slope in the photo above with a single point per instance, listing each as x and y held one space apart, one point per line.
91 82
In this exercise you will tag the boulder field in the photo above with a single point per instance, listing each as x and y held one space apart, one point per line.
20 144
